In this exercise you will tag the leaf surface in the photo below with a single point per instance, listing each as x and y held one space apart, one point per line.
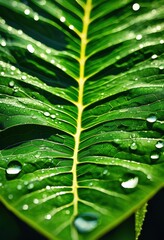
81 112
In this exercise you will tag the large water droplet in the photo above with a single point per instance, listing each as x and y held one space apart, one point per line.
13 169
151 119
86 222
130 183
159 144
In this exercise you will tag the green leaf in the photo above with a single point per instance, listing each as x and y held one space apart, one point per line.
81 112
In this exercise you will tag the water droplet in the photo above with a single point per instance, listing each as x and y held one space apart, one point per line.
154 56
30 186
53 116
13 169
161 41
20 32
27 11
158 28
25 207
3 43
86 222
11 84
48 187
48 217
19 187
133 146
159 144
154 156
2 73
36 17
139 37
35 201
23 77
42 2
48 50
10 196
105 172
131 183
151 119
67 212
30 48
62 19
136 7
52 61
71 27
13 68
47 114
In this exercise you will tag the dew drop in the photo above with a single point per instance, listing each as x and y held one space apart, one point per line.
30 48
48 50
48 217
139 37
105 172
159 144
48 187
71 27
25 207
62 19
151 119
36 17
23 77
27 11
13 169
53 116
86 222
154 56
30 186
131 183
10 196
20 32
154 156
52 61
136 7
3 43
13 68
47 114
161 41
133 146
11 84
19 187
67 212
35 201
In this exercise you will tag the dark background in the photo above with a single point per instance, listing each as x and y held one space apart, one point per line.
11 228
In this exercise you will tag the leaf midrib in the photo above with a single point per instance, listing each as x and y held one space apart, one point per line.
80 106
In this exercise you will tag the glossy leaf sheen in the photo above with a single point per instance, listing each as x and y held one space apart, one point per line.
81 112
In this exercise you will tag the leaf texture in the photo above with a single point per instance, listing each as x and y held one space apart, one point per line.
81 112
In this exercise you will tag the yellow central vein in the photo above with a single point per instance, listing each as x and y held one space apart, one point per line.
80 106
